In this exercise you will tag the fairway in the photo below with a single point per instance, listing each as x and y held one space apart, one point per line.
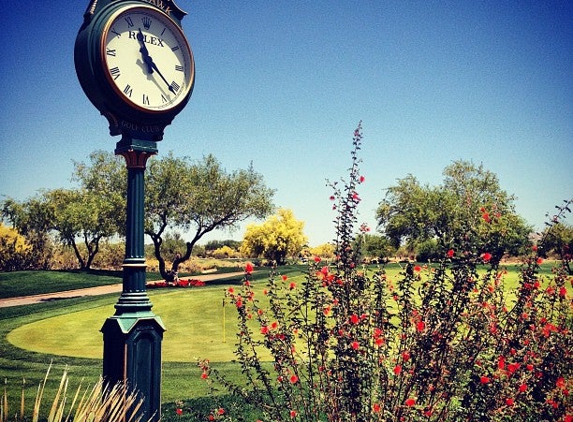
193 318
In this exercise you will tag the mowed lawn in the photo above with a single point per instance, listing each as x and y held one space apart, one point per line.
194 319
198 325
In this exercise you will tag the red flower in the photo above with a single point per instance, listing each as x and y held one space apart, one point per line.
397 369
179 411
562 291
354 319
509 402
355 345
293 379
417 268
539 261
249 268
284 277
410 402
501 362
484 379
376 407
406 356
522 388
486 257
292 285
221 411
204 375
486 218
451 253
420 326
264 330
362 179
293 413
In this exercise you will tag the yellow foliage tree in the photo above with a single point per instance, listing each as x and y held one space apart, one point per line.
279 237
14 250
326 250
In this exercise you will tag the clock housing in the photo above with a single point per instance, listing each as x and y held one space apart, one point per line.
135 65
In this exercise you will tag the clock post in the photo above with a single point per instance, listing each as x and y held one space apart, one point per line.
135 65
132 337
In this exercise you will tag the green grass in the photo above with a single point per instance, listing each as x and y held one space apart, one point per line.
67 332
26 283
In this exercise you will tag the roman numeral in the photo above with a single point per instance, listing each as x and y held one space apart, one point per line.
175 86
110 52
129 22
179 68
145 99
163 98
128 90
115 32
115 73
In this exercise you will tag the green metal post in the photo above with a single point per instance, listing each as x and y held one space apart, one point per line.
132 337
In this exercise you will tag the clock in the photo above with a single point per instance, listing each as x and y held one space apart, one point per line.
135 64
146 59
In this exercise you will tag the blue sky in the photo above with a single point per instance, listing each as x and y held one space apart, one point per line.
284 84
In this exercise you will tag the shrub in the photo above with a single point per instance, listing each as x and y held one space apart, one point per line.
446 342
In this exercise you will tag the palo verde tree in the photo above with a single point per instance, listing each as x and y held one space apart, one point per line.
468 212
276 239
199 197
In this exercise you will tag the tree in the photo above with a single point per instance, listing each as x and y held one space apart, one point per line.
15 251
374 247
324 250
31 219
468 212
276 239
558 236
199 197
81 216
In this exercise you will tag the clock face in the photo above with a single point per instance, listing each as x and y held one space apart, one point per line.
147 59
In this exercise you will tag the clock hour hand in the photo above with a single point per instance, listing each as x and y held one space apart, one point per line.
144 52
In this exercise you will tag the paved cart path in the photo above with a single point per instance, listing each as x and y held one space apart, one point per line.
95 291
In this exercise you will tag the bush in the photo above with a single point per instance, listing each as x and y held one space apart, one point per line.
440 343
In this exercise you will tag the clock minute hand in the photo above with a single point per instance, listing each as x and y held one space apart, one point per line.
154 66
